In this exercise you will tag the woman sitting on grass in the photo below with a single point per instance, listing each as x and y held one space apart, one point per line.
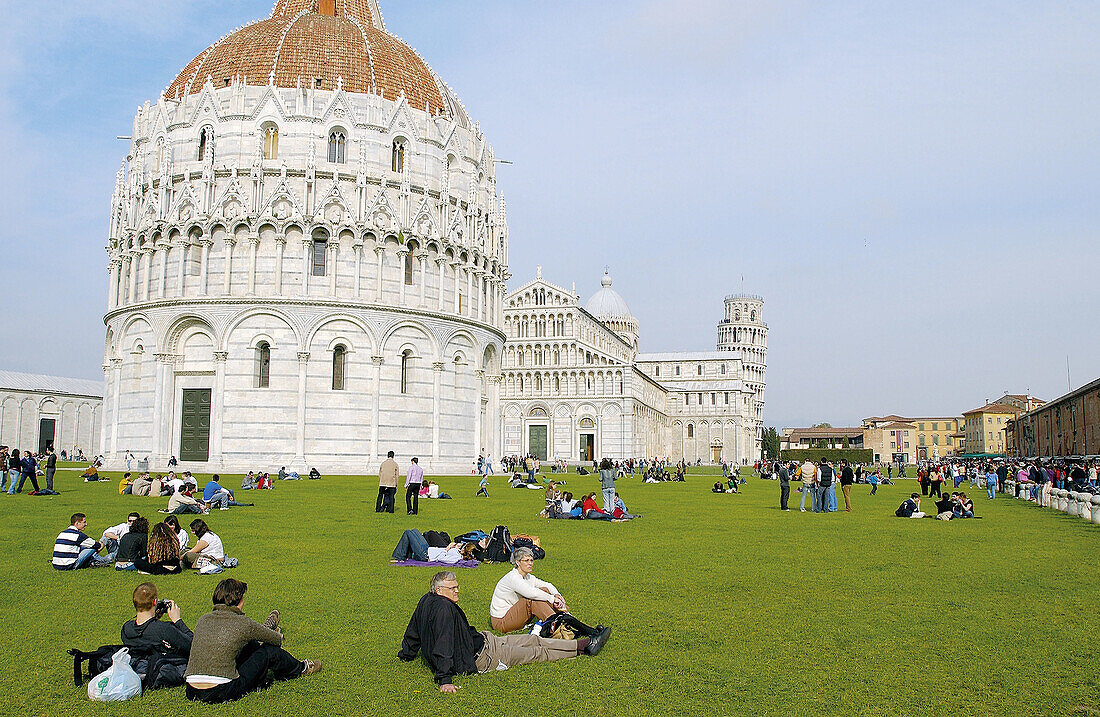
132 546
519 595
181 535
208 547
591 511
163 553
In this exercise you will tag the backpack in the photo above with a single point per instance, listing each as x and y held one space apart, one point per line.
499 549
156 670
526 542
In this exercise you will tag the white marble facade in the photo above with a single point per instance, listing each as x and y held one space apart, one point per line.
575 387
329 265
37 411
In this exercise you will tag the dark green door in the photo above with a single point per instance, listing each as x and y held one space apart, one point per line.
588 446
195 425
536 441
45 434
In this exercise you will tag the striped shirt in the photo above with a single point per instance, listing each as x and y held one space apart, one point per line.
67 547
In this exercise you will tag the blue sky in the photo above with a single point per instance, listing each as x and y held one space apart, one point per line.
912 187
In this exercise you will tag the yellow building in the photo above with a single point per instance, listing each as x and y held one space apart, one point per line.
937 436
985 428
892 439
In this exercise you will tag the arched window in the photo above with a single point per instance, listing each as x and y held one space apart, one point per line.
339 359
271 141
405 356
397 163
723 369
337 145
752 316
699 369
206 141
691 430
320 255
263 365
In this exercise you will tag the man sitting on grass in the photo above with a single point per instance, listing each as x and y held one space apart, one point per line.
910 508
441 633
73 549
148 631
231 654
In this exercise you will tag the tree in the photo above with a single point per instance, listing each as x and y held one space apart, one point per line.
822 425
771 442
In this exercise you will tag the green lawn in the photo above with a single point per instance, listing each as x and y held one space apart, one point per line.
720 604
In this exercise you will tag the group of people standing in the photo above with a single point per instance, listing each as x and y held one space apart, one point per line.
819 481
17 468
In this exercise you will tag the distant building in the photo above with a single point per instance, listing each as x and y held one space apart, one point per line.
985 428
1024 402
1067 426
809 438
38 411
938 436
892 439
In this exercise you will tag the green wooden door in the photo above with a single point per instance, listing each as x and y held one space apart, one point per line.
536 441
195 425
46 428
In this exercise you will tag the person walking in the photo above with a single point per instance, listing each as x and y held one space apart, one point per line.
30 470
809 485
413 479
388 473
847 478
784 486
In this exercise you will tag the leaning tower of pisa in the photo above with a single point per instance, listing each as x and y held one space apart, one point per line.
742 328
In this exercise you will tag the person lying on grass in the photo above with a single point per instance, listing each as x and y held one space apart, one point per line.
231 655
591 511
621 511
441 633
414 546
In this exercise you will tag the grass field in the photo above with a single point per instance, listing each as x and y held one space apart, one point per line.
721 604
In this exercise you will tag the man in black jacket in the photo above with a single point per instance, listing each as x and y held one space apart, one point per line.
148 631
441 633
847 477
784 485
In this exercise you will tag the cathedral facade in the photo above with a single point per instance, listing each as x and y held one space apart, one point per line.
575 386
307 257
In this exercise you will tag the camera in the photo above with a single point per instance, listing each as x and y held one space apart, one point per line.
162 607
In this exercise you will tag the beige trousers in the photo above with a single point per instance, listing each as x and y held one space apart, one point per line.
520 613
500 653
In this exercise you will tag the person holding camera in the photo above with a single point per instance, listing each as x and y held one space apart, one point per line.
148 631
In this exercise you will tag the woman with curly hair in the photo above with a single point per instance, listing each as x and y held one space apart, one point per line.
163 552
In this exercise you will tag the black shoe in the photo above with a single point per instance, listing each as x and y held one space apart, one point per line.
596 643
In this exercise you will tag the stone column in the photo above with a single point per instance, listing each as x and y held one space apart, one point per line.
437 374
217 408
116 369
307 261
422 258
495 444
112 287
358 267
132 270
334 250
454 266
102 425
470 293
377 361
280 247
479 380
160 421
253 248
181 267
379 251
441 262
402 257
166 251
146 279
227 267
204 269
300 434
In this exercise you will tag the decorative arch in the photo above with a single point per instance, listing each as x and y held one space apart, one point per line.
388 334
325 320
260 311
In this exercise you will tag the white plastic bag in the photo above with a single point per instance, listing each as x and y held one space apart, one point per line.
117 682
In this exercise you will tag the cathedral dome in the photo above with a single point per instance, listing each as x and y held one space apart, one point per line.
606 303
316 44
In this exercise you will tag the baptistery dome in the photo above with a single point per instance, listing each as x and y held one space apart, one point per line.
307 258
610 308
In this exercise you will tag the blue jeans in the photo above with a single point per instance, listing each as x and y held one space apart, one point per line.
829 500
815 496
127 567
990 489
13 478
412 546
85 557
805 491
111 546
609 499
